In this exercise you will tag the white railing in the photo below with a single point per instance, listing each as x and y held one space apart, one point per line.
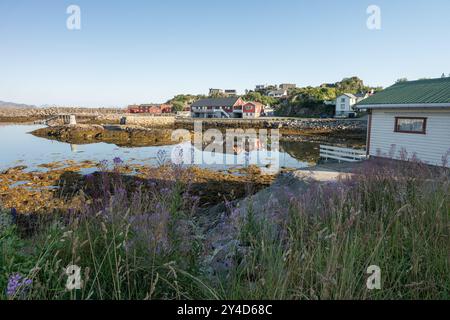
223 112
342 154
67 119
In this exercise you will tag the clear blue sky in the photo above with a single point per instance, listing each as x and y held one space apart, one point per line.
147 50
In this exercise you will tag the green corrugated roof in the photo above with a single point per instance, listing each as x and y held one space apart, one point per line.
432 91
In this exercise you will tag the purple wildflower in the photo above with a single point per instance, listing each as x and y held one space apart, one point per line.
117 161
103 164
17 286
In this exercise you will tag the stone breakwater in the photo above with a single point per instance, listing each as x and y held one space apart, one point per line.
284 124
84 116
34 114
149 121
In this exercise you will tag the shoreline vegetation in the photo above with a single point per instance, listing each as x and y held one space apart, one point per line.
61 185
314 240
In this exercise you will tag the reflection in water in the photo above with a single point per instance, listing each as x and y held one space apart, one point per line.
236 147
19 146
305 151
223 155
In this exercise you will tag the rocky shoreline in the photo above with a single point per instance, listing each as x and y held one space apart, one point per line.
284 124
134 136
61 186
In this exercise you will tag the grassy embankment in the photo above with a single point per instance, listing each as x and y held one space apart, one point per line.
150 245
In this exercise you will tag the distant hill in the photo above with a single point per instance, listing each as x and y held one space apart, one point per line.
13 105
310 101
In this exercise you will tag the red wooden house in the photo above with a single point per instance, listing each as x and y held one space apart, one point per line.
252 110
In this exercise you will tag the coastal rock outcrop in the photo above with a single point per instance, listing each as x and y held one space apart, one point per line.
135 136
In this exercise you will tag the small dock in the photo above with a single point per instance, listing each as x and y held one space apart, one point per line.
68 119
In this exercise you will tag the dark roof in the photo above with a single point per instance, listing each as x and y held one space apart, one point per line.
216 102
350 95
420 93
255 103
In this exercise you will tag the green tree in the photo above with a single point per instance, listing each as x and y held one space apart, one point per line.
258 97
401 80
178 106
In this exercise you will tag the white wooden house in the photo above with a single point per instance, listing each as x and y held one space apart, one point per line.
345 104
410 120
281 93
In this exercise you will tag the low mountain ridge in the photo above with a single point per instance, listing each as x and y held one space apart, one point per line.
12 105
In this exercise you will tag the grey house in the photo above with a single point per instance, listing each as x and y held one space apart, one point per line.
218 108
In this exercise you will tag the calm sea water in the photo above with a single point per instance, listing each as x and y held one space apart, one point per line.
18 147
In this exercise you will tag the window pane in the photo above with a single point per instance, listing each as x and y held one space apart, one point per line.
411 125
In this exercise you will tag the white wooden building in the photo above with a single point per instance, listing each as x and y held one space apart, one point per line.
345 104
278 93
409 121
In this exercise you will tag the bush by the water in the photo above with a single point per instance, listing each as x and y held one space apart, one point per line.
149 243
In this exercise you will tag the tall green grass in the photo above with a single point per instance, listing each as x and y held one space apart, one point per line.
393 216
147 243
140 244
